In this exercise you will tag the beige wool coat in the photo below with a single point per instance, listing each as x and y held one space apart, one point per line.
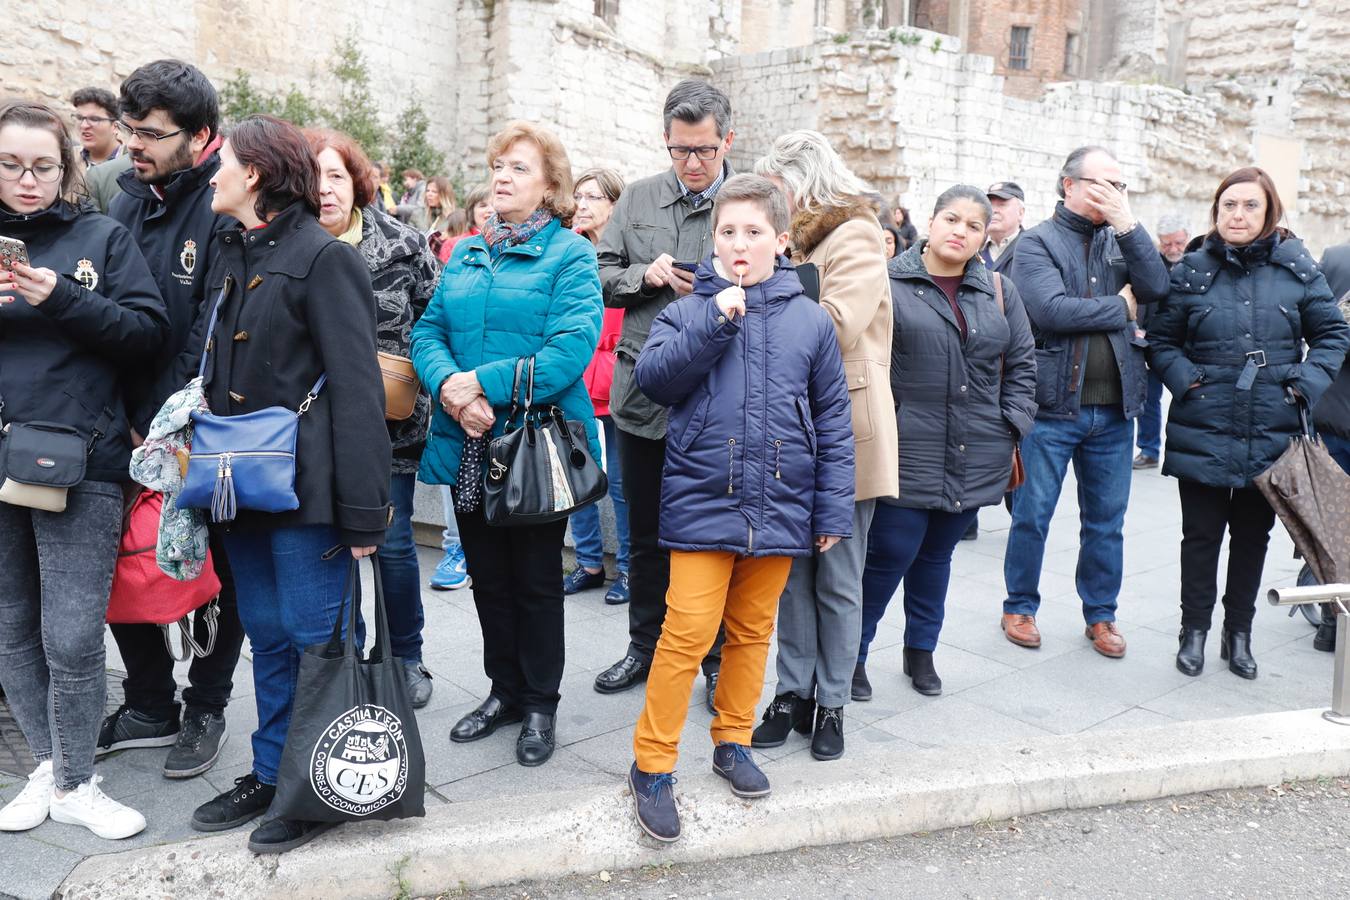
845 245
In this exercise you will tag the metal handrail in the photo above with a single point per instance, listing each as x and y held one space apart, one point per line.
1338 595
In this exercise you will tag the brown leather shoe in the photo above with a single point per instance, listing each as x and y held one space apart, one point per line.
1106 639
1022 630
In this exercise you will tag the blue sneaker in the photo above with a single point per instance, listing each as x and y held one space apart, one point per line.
654 800
734 763
451 572
579 580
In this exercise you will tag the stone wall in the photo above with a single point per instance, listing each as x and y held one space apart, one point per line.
279 42
913 120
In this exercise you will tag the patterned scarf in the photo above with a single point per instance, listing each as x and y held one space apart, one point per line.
499 234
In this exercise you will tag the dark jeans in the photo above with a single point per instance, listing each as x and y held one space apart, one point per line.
291 585
519 598
1206 512
1097 442
914 545
1148 427
399 575
56 572
150 686
643 461
586 533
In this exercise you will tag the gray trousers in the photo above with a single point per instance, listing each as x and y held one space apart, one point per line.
56 573
820 618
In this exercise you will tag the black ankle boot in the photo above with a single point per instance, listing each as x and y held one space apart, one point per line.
1325 639
861 689
827 740
1237 649
1191 656
922 675
786 713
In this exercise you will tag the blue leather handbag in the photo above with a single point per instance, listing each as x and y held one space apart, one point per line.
245 461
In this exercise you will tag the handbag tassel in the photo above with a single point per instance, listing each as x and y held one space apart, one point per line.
223 503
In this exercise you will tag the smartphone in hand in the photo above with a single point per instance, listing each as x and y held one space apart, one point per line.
12 250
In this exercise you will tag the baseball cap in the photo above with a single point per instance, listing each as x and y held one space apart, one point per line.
1006 190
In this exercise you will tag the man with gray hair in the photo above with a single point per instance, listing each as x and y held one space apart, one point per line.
1080 273
1172 237
661 228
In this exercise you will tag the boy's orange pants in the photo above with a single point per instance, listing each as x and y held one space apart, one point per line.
708 589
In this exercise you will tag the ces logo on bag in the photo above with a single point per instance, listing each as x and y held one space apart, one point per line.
360 764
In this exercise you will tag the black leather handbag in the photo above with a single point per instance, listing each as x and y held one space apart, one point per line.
539 470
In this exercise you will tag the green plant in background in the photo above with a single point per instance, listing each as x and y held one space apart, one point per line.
355 112
841 38
356 109
410 148
937 44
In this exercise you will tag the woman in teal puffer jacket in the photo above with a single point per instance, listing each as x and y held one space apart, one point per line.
526 286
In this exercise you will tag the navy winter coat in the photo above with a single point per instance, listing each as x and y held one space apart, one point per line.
1069 273
1332 414
958 416
759 446
1230 310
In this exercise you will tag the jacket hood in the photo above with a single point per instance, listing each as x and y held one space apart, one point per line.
782 285
909 265
30 223
810 227
180 183
1198 269
385 240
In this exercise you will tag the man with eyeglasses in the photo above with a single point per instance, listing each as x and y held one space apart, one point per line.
170 124
95 117
1081 274
660 228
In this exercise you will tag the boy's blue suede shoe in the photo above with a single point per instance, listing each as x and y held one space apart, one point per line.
734 763
654 800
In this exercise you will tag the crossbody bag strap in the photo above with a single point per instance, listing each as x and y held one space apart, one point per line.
312 395
998 296
211 325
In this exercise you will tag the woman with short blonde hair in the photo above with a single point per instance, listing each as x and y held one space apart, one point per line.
835 228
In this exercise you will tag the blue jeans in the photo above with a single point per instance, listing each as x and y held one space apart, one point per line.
914 545
450 536
399 575
586 521
56 571
290 583
1098 442
1149 426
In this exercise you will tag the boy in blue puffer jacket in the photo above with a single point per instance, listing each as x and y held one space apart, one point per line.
759 469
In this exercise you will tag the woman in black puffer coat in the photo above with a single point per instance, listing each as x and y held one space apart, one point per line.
963 375
1228 343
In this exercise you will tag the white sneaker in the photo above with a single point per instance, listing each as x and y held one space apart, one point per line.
87 805
29 809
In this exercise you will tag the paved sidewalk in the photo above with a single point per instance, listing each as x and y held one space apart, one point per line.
994 691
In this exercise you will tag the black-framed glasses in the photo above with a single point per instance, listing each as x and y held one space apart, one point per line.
1118 185
703 153
147 136
44 171
90 120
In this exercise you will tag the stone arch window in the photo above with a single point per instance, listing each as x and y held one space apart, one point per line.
607 10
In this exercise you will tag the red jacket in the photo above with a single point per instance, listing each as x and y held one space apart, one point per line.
599 374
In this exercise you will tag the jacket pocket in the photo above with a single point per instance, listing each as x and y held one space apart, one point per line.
808 424
694 425
1049 387
650 241
859 381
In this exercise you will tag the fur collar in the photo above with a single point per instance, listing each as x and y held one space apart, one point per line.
811 227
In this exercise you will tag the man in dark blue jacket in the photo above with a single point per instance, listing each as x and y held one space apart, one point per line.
170 125
1081 275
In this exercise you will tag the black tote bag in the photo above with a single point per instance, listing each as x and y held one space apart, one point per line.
540 470
353 751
